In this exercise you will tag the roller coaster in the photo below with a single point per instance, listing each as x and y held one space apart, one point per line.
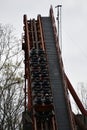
47 103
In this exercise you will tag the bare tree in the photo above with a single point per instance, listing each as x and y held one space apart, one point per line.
82 94
11 79
82 87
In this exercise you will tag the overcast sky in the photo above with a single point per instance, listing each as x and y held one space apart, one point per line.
74 29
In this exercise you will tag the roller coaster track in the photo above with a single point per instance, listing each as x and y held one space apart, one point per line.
47 104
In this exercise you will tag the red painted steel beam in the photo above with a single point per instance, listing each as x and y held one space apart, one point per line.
41 31
76 98
27 48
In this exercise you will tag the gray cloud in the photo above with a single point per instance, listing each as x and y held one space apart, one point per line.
74 28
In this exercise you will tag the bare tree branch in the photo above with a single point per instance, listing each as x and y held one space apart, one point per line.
11 81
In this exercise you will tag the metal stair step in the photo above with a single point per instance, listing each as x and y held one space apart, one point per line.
55 76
